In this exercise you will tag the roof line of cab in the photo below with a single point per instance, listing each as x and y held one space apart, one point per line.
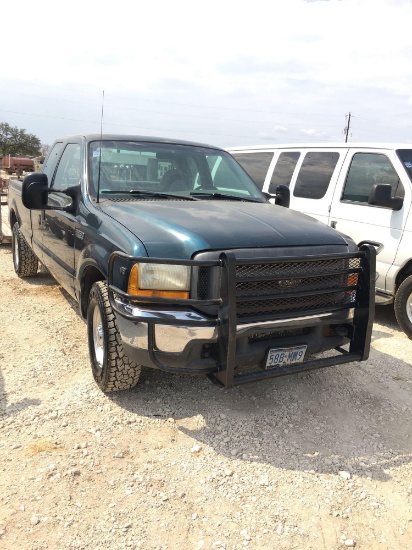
128 137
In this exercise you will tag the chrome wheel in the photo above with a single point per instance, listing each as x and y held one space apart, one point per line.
98 337
111 368
16 255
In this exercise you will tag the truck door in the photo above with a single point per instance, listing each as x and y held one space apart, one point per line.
59 227
351 214
37 217
313 183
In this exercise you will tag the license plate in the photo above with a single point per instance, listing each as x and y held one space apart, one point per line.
282 357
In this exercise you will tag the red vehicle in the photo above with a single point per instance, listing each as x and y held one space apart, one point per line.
13 164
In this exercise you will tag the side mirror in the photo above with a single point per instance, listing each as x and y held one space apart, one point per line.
35 191
35 194
380 195
282 196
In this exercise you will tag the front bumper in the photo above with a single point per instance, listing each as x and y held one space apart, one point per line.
174 337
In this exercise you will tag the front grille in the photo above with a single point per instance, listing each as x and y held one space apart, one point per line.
289 286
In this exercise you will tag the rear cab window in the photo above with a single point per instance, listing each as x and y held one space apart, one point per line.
49 165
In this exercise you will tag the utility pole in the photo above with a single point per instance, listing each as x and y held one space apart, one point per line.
347 128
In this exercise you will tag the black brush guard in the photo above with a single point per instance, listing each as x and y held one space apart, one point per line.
226 320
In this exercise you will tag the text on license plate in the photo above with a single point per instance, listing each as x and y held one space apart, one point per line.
282 357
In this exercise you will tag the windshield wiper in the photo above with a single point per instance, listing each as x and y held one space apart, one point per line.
222 196
144 193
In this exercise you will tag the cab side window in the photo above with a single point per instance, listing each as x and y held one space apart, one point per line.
255 164
49 165
315 174
366 170
68 171
283 172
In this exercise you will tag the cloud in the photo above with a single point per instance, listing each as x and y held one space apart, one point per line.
280 129
308 132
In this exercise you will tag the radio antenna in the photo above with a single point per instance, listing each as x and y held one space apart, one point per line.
100 151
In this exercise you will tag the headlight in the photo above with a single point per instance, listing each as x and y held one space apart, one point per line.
165 280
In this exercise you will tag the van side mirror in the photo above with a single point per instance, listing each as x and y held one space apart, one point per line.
282 196
35 191
380 195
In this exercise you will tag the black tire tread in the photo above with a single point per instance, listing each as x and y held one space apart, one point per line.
28 262
401 297
122 373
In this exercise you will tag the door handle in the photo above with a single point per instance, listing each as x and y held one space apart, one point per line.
333 224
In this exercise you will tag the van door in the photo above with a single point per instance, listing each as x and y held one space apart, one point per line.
351 214
314 181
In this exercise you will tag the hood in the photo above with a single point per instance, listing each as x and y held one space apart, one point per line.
178 229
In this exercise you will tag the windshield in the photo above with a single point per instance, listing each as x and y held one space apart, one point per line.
141 169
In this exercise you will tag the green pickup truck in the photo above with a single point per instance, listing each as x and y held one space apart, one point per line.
179 262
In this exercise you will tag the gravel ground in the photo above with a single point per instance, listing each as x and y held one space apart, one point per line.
311 461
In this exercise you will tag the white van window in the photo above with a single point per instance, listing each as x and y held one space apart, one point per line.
406 158
255 164
283 172
315 175
366 170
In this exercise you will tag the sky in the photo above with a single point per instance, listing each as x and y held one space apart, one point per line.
222 72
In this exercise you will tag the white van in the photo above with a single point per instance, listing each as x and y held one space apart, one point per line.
363 190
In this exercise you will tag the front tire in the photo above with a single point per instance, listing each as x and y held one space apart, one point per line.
403 306
25 262
112 369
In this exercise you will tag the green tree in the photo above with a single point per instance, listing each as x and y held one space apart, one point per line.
17 142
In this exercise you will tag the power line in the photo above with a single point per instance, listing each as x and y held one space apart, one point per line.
138 126
134 98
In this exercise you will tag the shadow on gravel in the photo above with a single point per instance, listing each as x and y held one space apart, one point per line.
385 315
14 408
43 278
346 418
7 409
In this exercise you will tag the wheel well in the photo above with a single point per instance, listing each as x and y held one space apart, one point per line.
403 274
90 276
13 218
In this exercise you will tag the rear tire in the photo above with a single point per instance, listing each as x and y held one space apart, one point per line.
112 369
25 262
403 306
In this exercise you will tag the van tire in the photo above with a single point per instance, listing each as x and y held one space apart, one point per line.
24 260
112 369
403 306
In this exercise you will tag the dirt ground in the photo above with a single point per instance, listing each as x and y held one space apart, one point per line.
310 461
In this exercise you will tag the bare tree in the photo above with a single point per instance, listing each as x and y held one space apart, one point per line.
44 150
